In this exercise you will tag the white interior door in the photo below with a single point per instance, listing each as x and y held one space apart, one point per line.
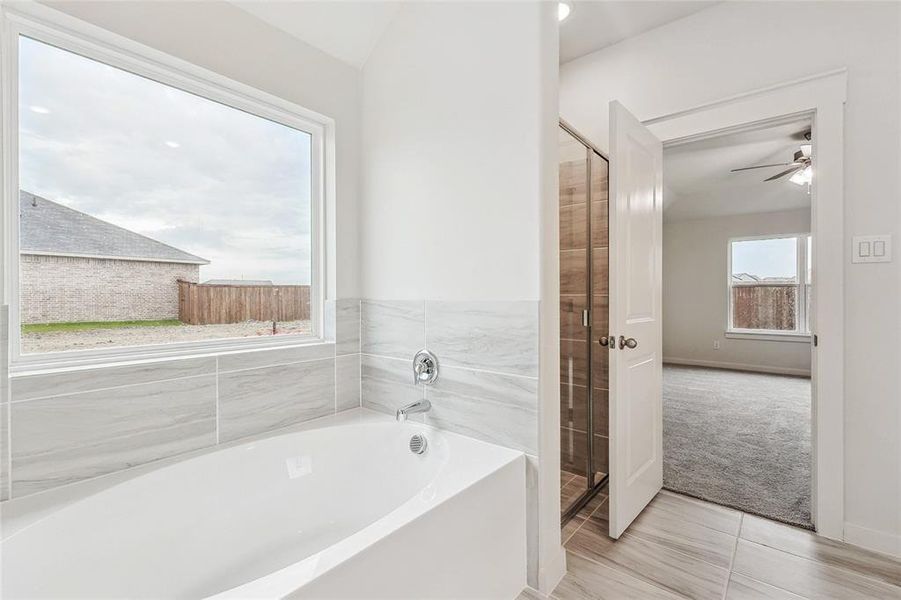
636 231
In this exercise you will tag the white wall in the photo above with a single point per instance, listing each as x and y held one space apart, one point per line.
459 165
451 105
695 302
735 47
222 38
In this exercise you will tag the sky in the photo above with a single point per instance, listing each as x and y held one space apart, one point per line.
206 178
766 258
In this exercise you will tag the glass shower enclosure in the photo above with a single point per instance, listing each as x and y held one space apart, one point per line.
584 278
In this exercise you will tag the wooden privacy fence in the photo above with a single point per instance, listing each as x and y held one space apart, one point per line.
764 306
202 304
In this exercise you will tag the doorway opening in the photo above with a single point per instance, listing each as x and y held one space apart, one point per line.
737 320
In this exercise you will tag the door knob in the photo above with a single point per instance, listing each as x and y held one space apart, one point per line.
605 341
625 342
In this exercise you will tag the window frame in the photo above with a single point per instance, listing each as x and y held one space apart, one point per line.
802 331
67 33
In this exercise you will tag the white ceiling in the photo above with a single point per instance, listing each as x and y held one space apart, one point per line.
349 30
346 30
698 183
594 24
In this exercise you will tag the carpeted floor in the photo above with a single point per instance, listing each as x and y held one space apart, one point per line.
739 439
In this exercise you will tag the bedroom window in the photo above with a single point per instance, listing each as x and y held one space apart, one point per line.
770 285
157 211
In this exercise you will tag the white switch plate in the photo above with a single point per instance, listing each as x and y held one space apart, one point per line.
871 248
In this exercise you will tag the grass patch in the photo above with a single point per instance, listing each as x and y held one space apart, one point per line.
84 325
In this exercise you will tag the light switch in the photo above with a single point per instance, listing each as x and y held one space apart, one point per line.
871 248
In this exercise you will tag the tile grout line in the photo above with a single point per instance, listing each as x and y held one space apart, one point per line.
741 519
217 400
843 569
9 440
840 567
585 520
484 371
112 387
214 372
425 345
360 352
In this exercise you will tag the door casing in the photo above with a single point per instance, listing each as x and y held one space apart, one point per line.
821 97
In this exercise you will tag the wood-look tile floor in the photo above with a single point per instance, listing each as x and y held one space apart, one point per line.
571 487
680 547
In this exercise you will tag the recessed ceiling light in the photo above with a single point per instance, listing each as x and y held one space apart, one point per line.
563 10
41 110
173 144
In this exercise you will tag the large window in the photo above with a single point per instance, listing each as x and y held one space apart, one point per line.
148 215
770 285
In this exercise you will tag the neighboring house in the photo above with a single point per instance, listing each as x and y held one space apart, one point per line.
75 267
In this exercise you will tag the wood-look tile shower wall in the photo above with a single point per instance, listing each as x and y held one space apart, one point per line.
574 295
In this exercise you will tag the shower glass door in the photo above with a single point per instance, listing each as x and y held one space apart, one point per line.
574 300
583 319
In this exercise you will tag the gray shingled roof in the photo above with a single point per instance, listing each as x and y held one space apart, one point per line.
46 227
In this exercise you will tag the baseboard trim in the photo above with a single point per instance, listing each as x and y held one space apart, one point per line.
871 539
690 362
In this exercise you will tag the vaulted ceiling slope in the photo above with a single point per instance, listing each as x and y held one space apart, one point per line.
346 30
593 24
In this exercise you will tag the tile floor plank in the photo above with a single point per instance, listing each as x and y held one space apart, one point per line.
745 588
667 528
658 565
594 503
807 544
683 547
588 580
530 594
806 577
699 512
570 528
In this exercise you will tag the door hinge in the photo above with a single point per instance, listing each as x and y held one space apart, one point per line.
816 340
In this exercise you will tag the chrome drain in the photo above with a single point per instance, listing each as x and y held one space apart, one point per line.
418 444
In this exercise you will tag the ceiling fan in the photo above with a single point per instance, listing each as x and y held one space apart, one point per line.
799 169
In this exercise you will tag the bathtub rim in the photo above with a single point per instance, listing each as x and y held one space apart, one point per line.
18 514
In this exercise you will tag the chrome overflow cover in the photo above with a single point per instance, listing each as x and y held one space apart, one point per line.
418 444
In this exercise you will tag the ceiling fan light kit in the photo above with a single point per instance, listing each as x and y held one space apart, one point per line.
802 177
799 169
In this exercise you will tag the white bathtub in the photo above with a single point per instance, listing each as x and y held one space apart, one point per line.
339 508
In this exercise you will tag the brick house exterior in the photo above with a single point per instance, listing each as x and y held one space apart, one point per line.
76 268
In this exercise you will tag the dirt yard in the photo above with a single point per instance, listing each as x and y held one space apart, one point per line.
58 341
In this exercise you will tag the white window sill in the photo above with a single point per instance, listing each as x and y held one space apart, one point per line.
768 336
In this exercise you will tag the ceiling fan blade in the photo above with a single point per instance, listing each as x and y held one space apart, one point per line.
761 167
784 173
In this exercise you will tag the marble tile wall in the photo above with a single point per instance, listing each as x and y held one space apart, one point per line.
77 424
488 356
